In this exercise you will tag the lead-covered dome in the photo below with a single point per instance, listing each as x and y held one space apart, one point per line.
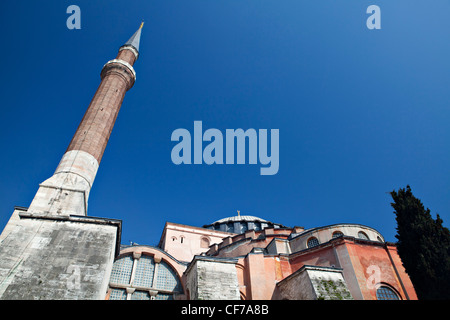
241 223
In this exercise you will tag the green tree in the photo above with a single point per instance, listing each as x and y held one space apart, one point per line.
423 245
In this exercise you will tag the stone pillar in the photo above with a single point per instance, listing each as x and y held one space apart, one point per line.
209 278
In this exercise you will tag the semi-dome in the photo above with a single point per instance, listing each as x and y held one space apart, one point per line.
241 223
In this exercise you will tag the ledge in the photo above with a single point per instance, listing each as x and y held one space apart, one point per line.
81 219
309 267
210 259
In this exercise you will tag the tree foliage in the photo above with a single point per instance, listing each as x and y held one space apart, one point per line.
423 245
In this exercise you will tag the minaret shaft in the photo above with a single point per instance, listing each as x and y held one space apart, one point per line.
67 191
95 129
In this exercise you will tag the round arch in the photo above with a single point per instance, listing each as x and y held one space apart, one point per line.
385 291
312 242
205 242
142 267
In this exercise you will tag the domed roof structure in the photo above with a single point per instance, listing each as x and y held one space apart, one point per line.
240 218
240 224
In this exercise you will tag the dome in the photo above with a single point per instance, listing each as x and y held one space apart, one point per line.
240 218
241 223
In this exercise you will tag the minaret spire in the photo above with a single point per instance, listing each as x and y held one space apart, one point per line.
136 38
67 191
133 42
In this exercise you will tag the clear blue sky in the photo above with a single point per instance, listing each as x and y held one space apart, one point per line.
360 112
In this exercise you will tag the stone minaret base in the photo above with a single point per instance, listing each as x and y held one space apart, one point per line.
57 258
67 191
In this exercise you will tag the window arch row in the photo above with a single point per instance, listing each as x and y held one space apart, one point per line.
143 277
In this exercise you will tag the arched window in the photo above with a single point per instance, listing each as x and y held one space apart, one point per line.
337 234
312 242
156 280
257 226
204 242
379 239
386 293
362 235
230 227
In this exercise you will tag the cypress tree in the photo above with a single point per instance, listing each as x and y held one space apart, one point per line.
423 245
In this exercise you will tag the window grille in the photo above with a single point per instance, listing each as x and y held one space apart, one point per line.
140 295
164 296
385 293
312 242
166 278
144 272
121 271
118 294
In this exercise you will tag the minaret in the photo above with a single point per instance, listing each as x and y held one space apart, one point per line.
66 192
52 250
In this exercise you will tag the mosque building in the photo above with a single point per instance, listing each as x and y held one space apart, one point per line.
249 258
53 250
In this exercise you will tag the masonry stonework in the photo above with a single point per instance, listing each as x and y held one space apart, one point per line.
212 279
57 258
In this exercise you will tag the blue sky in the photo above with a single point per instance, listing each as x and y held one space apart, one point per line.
360 112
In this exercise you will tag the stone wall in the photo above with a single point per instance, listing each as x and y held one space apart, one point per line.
184 242
314 283
58 258
212 279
